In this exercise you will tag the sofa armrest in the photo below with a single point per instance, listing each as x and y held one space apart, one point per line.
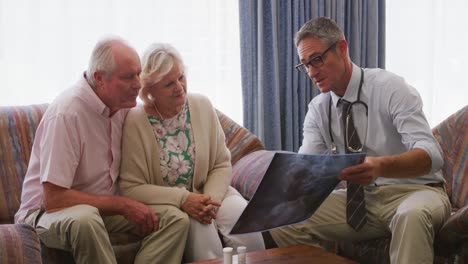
19 244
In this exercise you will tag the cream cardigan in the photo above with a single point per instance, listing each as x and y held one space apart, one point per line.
140 174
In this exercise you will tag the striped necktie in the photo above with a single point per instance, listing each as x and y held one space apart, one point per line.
356 212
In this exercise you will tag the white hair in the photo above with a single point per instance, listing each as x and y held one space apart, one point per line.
102 59
156 63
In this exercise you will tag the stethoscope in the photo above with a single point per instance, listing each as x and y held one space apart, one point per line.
348 114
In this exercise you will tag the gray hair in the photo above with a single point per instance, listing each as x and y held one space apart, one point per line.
102 59
157 62
322 28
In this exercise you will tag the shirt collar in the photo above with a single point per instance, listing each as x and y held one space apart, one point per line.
90 97
352 88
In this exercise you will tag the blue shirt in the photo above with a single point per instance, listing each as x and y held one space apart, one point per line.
395 122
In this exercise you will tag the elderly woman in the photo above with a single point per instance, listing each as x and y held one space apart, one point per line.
174 154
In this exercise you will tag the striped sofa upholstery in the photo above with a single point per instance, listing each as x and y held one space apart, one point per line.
17 128
19 244
238 139
452 135
248 172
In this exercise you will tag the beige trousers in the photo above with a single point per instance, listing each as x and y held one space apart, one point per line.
410 213
82 231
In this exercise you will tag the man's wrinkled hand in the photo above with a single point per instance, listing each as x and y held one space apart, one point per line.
141 216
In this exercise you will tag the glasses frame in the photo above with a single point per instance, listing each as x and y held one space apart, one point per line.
316 61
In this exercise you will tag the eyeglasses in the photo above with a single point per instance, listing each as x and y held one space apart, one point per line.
315 62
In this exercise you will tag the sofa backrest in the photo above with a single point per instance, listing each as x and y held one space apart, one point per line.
239 140
18 126
452 135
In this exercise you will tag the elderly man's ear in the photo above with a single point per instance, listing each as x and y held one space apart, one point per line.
99 78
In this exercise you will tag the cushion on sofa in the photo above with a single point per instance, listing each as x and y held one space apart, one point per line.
17 128
453 140
19 244
239 140
249 170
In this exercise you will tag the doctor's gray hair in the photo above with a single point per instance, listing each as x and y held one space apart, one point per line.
322 28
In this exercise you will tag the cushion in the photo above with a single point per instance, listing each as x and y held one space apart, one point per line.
249 170
452 135
239 140
17 129
19 244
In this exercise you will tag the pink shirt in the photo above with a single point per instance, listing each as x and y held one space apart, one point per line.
77 146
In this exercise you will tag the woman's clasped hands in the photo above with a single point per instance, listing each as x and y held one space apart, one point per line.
201 207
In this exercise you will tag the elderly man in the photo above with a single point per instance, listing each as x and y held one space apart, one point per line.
70 193
398 190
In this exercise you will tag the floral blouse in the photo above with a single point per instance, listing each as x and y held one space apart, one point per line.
176 146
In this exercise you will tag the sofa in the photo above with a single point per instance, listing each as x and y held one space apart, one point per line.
20 244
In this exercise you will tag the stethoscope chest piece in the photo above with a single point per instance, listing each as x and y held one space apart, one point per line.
334 150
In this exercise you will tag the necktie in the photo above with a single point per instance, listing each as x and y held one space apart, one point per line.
356 212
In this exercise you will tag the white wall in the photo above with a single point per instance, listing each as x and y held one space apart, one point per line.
45 44
426 45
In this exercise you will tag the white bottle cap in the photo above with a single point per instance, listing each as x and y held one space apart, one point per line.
241 249
227 252
241 257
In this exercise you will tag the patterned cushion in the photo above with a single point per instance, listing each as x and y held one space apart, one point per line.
17 128
19 244
249 170
238 139
452 135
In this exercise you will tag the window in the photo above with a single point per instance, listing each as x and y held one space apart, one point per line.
425 45
45 44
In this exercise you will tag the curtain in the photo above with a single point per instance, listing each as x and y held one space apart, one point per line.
275 95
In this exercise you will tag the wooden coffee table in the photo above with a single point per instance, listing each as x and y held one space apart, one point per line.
298 254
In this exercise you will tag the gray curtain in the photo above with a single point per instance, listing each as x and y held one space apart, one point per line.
275 95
